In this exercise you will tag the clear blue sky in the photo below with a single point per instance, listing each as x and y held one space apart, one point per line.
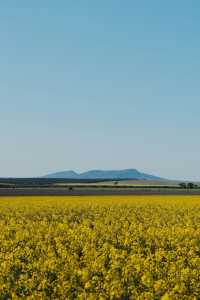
100 84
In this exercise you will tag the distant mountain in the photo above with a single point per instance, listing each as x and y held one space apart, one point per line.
102 174
65 174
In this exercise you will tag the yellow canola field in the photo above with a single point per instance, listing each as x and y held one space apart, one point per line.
102 247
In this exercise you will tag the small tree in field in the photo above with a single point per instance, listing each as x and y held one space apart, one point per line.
183 185
192 185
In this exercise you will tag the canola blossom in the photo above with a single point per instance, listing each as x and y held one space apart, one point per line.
100 247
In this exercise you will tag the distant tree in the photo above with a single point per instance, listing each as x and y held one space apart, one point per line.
116 182
70 188
183 185
195 186
191 185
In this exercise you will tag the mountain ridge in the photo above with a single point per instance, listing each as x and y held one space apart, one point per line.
104 174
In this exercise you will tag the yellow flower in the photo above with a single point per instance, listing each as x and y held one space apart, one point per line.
88 285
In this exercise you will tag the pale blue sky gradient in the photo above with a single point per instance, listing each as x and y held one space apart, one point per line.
100 84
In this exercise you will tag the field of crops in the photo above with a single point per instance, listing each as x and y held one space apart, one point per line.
106 247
